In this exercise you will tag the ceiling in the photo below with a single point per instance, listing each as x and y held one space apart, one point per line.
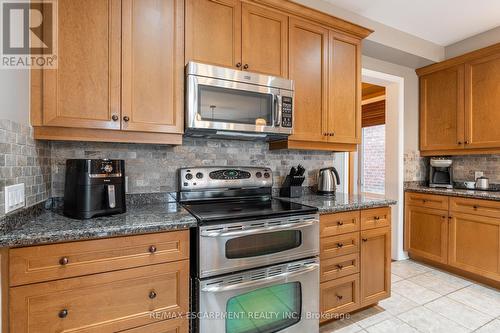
443 22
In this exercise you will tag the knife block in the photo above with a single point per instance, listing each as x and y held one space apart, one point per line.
292 187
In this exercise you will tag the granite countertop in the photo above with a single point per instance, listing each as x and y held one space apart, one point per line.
476 194
51 226
342 202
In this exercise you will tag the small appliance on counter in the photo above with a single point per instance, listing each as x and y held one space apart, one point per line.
292 186
441 172
94 188
482 183
328 179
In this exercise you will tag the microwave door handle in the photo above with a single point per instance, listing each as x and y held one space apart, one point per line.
307 268
277 110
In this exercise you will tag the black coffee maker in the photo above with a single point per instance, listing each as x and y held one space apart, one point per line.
94 188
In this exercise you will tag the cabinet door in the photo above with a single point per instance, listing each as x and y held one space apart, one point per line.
475 244
426 233
375 265
153 66
344 99
442 109
264 40
213 32
308 51
482 100
84 91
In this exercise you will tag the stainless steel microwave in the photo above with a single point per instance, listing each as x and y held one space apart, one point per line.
222 102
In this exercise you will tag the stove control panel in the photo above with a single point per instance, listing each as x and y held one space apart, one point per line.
200 178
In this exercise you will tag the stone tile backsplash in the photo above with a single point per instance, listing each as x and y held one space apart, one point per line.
23 160
416 167
465 166
153 168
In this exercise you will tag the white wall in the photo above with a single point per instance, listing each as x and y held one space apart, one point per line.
484 39
14 95
410 97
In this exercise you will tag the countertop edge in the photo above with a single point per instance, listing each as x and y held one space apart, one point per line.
472 194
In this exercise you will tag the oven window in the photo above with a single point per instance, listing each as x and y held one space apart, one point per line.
234 106
265 310
262 244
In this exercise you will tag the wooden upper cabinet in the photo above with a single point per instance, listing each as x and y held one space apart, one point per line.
264 40
308 50
482 102
213 32
375 265
84 91
344 103
474 244
153 66
442 109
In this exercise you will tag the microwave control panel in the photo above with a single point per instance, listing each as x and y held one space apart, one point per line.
286 111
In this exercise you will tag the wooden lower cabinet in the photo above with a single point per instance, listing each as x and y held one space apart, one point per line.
464 237
355 266
126 295
375 265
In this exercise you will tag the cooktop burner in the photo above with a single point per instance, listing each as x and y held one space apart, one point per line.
244 209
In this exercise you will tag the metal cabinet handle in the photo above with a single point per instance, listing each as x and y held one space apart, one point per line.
152 249
126 119
339 297
339 267
63 313
238 65
152 294
245 66
64 261
114 117
376 218
339 223
365 239
339 245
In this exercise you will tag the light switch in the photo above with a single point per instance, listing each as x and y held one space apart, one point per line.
478 174
14 197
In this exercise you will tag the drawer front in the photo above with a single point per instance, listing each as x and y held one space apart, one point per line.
338 267
177 325
340 223
427 200
474 206
375 218
340 245
106 302
339 296
59 261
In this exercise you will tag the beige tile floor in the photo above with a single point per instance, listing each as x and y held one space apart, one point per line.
425 299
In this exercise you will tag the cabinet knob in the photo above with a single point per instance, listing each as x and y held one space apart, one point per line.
475 207
339 267
152 294
238 65
152 249
114 117
377 218
339 297
339 223
63 313
365 239
126 119
64 261
466 142
245 66
459 142
339 245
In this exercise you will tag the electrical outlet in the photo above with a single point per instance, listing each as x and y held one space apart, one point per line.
478 174
14 197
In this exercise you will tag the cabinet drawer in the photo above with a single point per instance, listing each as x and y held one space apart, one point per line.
340 245
427 200
340 223
339 296
106 302
59 261
375 218
338 267
177 325
475 206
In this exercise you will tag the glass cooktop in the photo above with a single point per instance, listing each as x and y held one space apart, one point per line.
245 209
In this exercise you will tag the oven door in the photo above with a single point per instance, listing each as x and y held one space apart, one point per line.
225 105
281 298
230 247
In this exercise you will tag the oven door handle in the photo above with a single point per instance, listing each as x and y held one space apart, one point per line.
307 268
288 226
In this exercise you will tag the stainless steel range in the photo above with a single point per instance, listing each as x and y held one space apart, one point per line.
254 257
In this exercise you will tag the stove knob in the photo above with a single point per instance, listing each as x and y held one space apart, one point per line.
199 175
258 174
266 175
189 176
